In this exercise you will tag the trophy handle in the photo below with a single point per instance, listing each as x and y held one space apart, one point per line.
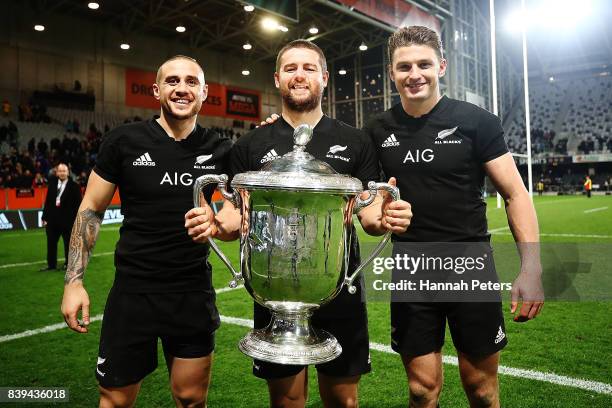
221 180
373 188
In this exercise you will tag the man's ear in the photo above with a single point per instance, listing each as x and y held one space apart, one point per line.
156 91
442 68
276 80
205 92
325 78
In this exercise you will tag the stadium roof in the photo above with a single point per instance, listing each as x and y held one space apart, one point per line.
558 46
224 25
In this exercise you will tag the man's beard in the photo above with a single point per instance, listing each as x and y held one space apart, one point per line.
306 105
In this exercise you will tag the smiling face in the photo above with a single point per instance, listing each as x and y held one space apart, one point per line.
180 89
301 79
416 70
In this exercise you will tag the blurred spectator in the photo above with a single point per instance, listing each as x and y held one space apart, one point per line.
588 186
39 181
61 206
82 180
6 108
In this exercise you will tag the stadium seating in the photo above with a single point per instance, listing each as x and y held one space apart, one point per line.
580 117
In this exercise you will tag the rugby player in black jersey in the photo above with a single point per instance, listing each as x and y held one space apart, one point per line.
440 150
162 286
301 76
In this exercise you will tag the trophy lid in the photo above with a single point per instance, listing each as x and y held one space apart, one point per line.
298 170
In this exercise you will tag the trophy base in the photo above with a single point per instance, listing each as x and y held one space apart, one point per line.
290 339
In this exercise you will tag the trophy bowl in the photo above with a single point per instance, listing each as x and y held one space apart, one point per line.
294 245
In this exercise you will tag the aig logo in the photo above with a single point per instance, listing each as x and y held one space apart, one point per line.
425 155
175 179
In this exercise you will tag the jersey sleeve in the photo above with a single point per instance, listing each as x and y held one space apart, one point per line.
368 130
367 167
490 143
225 148
108 161
239 160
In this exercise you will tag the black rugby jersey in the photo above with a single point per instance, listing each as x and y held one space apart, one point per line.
348 150
438 162
155 176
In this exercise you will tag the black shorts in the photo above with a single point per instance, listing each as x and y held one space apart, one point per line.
477 328
351 332
185 322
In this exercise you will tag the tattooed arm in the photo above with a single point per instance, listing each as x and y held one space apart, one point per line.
85 231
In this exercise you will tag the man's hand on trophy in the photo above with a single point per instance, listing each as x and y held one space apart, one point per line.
269 120
396 215
200 223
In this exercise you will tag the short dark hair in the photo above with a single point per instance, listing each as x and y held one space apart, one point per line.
302 44
414 35
178 56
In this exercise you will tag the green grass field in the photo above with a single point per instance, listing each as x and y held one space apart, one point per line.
569 339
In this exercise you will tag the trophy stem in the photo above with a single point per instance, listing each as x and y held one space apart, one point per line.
289 338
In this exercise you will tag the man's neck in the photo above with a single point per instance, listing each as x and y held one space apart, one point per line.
177 129
296 119
418 109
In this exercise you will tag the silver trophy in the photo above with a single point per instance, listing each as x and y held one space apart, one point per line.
294 246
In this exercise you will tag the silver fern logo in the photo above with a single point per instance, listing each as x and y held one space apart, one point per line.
443 134
336 148
203 158
200 160
331 154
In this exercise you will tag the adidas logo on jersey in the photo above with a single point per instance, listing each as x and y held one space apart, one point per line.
500 335
391 141
271 155
5 224
201 160
144 160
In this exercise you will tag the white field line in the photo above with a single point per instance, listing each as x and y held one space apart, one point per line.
46 329
594 386
595 210
563 235
494 230
59 326
43 262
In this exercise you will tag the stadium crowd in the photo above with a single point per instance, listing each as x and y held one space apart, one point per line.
542 141
27 167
